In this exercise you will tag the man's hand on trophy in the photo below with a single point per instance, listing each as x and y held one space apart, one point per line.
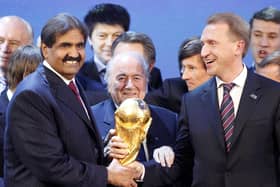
111 133
164 155
119 175
117 148
107 148
139 167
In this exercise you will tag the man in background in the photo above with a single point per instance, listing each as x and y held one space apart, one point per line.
14 32
143 44
193 74
23 61
105 22
264 34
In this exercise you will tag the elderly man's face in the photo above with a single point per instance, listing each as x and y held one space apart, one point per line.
127 79
13 33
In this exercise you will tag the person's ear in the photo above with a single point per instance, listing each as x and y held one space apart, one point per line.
44 50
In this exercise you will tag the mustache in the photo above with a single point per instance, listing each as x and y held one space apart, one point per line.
70 58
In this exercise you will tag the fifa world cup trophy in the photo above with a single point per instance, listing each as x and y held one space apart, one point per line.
132 119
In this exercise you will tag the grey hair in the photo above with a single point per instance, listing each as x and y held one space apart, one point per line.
26 23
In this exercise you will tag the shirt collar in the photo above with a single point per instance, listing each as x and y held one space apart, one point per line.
239 81
99 64
10 94
47 65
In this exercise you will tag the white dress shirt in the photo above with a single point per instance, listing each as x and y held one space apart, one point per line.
236 91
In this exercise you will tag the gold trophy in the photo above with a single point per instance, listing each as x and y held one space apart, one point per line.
132 119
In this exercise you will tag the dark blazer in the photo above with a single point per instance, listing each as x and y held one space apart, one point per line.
169 95
95 97
161 132
254 155
4 101
49 139
155 79
88 77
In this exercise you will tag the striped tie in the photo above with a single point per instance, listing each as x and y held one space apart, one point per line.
227 115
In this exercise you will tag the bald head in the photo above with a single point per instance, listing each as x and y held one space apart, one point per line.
14 32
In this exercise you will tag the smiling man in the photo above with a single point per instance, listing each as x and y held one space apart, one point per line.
127 75
229 126
51 138
193 69
265 33
105 22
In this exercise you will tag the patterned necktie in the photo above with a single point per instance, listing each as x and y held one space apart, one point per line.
74 89
227 115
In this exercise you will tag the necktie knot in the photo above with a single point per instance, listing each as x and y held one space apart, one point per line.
228 87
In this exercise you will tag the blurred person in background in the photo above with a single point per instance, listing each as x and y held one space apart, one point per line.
14 32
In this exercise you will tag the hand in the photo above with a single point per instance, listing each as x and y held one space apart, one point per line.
117 148
139 167
111 133
121 176
164 155
107 148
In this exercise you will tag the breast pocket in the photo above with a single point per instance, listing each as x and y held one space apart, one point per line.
258 122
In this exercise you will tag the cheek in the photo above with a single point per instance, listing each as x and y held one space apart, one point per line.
142 88
82 53
253 41
96 45
277 44
117 86
59 54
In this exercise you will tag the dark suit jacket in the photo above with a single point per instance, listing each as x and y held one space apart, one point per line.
169 95
4 101
161 132
95 97
155 79
89 78
49 140
254 156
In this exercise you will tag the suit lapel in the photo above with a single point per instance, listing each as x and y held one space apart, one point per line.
249 99
109 115
61 91
211 107
4 101
92 71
